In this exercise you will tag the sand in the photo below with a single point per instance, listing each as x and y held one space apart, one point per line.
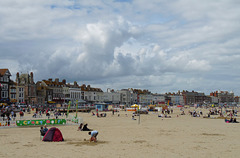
182 136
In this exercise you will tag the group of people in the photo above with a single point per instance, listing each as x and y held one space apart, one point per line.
43 130
91 132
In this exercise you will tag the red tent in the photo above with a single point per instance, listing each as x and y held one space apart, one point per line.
53 134
179 106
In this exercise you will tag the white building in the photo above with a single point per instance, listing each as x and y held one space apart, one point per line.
112 97
128 96
145 99
156 98
177 99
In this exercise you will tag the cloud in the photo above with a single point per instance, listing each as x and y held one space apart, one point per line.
159 45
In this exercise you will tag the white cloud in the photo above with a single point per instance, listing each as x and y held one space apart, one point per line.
159 45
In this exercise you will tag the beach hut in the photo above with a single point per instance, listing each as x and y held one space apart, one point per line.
101 106
54 135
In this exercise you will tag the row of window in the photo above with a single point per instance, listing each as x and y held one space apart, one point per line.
57 90
4 86
4 79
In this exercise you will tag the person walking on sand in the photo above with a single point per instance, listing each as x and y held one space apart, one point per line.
93 135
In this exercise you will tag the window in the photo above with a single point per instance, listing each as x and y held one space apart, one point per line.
13 96
5 79
4 94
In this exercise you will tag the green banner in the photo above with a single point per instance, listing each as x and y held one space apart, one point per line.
69 104
40 122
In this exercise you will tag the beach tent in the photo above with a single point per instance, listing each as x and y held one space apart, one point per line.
53 134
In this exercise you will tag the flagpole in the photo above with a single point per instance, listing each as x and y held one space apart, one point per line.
76 107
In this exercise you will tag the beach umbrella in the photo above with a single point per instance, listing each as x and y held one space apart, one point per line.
135 106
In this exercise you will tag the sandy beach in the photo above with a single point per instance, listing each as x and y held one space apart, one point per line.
182 136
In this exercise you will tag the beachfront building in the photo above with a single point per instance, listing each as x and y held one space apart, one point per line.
25 89
224 96
4 85
100 97
237 99
214 100
50 91
66 94
193 97
125 97
90 94
145 99
111 97
13 92
72 92
44 93
128 96
158 98
176 99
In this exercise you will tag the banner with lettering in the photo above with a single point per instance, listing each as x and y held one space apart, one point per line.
40 122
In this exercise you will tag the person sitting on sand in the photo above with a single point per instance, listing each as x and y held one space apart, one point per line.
85 128
182 113
133 117
80 127
93 135
45 129
42 131
161 115
166 116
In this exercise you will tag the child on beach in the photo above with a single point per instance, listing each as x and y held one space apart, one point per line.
93 136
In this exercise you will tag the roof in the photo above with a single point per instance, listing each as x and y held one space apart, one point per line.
3 71
53 83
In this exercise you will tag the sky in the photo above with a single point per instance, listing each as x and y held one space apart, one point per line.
159 45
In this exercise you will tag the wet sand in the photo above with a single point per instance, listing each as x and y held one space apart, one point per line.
182 136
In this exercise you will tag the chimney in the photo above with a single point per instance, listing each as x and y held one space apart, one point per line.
75 83
17 78
57 80
31 74
88 87
64 81
50 79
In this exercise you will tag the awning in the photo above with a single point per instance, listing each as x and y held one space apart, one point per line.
51 102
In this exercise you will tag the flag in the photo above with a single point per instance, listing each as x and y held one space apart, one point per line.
69 103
